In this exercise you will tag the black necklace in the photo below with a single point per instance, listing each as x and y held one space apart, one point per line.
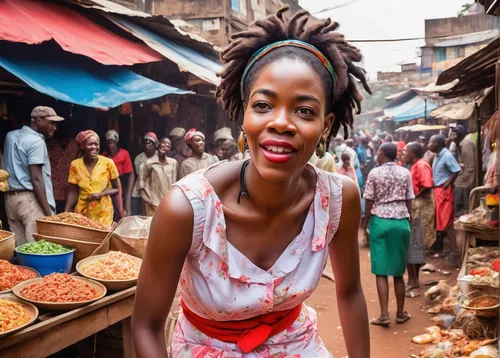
243 188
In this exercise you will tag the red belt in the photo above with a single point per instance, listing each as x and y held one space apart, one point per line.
248 334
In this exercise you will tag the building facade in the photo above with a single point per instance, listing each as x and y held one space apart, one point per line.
219 19
450 40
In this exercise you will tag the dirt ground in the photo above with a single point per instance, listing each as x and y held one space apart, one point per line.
394 341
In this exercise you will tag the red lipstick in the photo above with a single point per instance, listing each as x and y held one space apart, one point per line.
277 151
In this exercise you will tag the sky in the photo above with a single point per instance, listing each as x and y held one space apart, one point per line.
385 19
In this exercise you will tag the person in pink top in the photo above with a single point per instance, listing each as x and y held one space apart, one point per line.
346 168
246 241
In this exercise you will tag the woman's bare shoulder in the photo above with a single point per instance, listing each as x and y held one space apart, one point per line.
224 175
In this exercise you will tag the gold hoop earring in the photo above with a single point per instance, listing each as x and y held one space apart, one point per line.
242 141
321 148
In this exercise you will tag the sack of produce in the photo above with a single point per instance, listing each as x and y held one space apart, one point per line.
4 184
131 235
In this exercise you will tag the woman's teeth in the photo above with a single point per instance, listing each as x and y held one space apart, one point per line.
274 149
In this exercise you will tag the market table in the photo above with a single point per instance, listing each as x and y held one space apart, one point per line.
55 331
473 233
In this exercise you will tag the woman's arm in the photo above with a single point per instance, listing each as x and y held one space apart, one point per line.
368 212
160 271
344 255
408 207
73 193
115 183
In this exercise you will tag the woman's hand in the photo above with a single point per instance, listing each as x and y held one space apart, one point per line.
94 197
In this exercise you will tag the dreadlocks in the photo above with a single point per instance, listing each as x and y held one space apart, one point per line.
343 94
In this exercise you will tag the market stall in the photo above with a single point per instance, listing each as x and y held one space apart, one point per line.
60 295
465 316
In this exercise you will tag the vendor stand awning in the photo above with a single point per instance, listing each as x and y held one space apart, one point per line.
34 22
420 128
417 107
78 79
192 55
462 108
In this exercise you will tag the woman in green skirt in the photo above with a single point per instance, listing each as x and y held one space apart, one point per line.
388 194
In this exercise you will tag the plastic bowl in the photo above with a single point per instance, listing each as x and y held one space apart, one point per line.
47 264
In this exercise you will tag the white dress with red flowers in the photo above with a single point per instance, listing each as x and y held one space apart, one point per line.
219 283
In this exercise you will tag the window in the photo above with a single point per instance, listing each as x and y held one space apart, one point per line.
239 6
440 54
460 51
211 24
243 7
235 5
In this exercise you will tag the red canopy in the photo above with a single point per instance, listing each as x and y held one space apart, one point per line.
34 21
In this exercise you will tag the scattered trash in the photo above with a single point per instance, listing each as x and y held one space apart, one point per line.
428 268
412 294
423 339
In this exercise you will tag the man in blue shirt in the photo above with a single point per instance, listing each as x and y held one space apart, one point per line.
26 159
445 170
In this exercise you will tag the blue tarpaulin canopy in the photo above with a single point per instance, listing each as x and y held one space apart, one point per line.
78 79
187 58
412 109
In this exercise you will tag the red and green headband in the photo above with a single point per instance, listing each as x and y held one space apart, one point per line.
294 43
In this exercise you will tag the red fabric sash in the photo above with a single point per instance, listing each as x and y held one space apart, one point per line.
443 199
247 334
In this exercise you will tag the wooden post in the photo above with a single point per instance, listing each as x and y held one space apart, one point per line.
128 342
478 148
425 111
497 100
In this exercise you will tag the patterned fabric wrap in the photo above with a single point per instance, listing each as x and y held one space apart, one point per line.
191 133
82 137
294 43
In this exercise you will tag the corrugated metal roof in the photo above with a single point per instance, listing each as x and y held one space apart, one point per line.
468 39
159 24
187 59
36 21
474 73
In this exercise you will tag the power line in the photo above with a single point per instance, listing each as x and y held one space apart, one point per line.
335 7
401 39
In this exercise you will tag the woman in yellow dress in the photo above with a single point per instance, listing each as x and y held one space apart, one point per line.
94 180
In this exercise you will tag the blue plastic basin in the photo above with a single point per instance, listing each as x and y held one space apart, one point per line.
47 264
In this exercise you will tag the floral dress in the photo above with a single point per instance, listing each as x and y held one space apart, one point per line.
101 210
219 283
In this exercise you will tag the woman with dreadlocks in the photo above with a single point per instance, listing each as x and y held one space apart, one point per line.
247 241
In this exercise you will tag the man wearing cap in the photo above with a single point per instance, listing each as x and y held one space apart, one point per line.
230 151
150 143
220 137
466 156
180 151
27 161
199 160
